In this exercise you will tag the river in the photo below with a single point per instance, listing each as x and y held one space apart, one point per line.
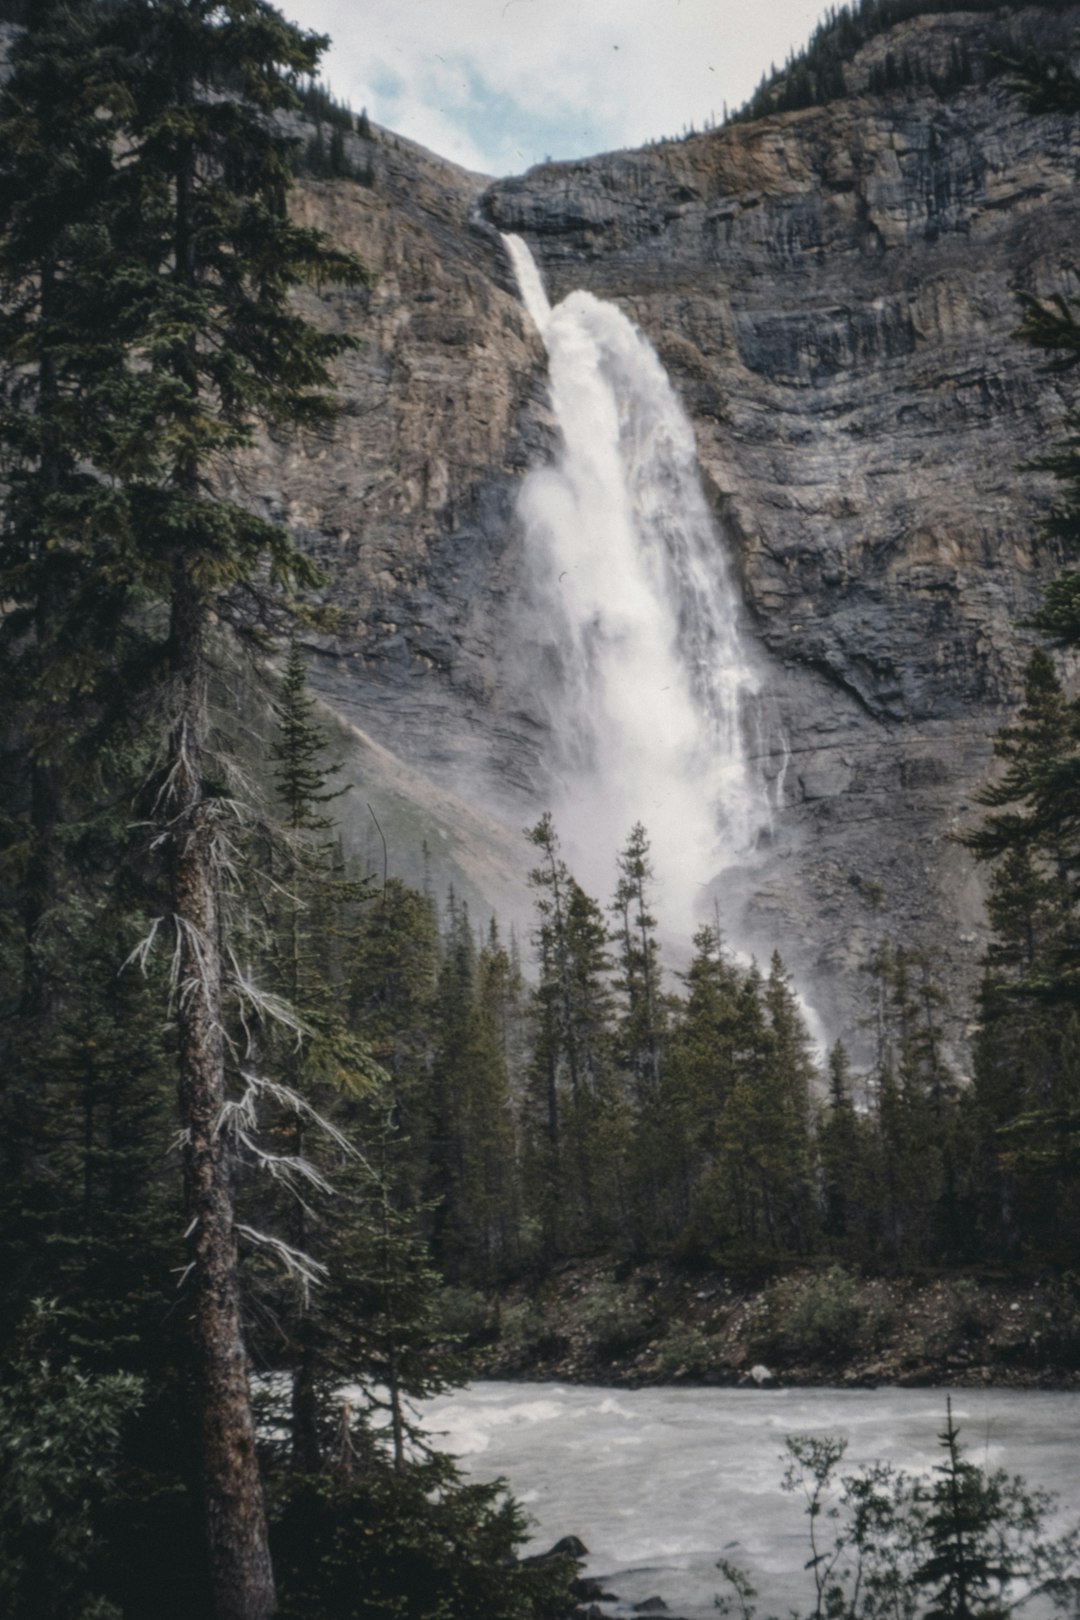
660 1483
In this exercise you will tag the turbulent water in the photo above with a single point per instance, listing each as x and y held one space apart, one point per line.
661 1483
633 642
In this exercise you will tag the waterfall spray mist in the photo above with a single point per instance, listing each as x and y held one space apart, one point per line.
649 690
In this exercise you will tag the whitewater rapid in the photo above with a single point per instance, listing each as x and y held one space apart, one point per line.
660 1483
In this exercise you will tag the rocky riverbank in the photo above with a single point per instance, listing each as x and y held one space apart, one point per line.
657 1323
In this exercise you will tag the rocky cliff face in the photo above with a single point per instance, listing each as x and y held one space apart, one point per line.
833 294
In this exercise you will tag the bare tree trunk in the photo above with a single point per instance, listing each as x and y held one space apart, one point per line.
241 1577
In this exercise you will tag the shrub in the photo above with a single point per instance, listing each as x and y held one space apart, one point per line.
615 1321
686 1351
465 1315
963 1541
820 1316
60 1444
525 1332
1061 1339
966 1310
420 1545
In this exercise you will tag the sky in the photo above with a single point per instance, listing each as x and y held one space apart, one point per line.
498 85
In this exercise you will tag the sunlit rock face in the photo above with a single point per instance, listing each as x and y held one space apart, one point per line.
833 296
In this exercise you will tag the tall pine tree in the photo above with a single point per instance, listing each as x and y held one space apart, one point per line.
183 227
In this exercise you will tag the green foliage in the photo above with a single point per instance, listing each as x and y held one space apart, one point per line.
756 1196
321 107
465 1315
526 1332
1061 1337
886 1546
1027 1074
816 75
61 1433
614 1319
686 1351
327 156
473 1145
967 1309
143 221
418 1546
916 1164
821 1318
575 1114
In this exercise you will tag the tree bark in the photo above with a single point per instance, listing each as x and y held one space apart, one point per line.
241 1577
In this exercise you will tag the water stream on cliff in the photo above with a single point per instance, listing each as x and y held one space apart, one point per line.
660 1483
632 640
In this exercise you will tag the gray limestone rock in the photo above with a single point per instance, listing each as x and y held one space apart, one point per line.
833 293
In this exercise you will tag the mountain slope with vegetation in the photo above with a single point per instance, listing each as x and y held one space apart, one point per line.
268 1108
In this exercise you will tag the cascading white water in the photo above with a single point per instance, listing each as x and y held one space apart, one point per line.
650 693
661 1483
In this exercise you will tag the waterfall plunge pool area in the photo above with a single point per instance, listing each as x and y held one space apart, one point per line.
661 1483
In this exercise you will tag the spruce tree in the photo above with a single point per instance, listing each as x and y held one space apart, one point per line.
644 1020
838 1144
765 1151
64 603
554 1040
195 259
1027 1078
577 1127
699 1074
308 903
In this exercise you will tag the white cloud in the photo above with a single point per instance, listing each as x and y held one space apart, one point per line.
499 84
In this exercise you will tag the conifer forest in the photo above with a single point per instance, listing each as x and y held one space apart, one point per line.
285 1140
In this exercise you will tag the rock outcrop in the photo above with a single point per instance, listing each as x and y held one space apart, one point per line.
833 292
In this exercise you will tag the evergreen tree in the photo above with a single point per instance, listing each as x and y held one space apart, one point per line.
968 1543
1027 1078
765 1148
747 1162
554 1041
839 1151
63 603
795 1072
500 994
307 904
473 1158
1033 819
643 1024
193 259
642 1034
391 985
699 1074
577 1123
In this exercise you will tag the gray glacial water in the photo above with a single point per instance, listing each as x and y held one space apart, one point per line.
660 1483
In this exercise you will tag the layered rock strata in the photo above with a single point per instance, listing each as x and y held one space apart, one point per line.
833 293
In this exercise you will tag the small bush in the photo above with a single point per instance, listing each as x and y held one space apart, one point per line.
465 1315
526 1334
1061 1339
614 1320
686 1351
821 1318
967 1315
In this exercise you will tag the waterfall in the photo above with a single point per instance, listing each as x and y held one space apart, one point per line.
632 633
